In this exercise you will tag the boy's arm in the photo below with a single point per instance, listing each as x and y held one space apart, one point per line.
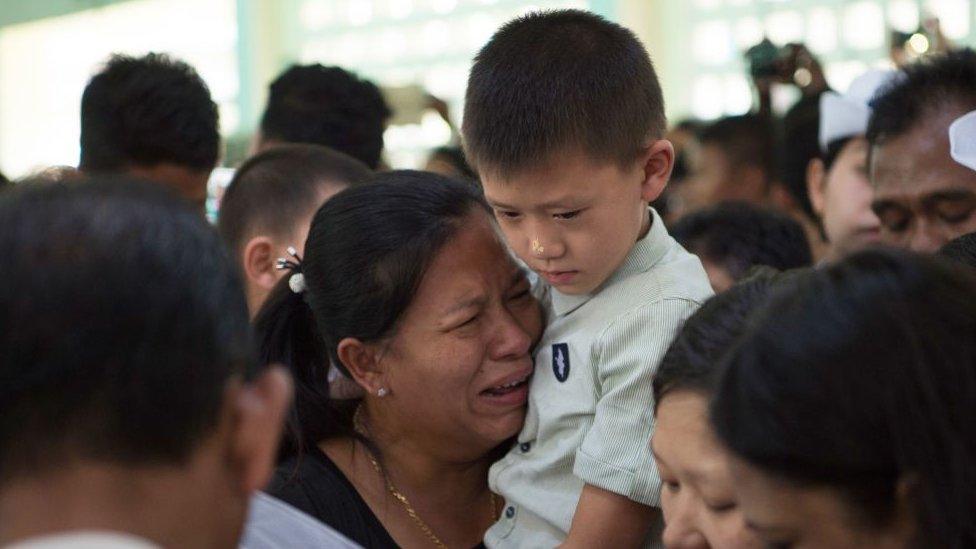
622 486
607 519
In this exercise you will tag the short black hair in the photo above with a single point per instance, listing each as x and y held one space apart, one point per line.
552 80
327 106
745 139
738 236
121 322
277 187
926 86
692 360
961 250
146 111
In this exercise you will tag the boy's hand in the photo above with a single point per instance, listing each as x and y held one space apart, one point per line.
607 519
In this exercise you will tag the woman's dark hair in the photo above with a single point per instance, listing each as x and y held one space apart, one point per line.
691 362
366 254
859 376
833 151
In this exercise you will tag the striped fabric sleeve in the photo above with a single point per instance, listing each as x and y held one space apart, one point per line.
616 454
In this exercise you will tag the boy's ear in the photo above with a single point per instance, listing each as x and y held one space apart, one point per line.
816 185
259 411
657 159
362 362
259 262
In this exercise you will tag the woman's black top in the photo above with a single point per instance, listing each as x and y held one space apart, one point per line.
314 484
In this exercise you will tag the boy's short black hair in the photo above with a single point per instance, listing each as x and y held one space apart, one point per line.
275 188
746 139
146 111
924 87
554 80
738 236
327 106
961 250
121 322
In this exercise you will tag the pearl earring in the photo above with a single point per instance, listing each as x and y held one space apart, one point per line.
381 392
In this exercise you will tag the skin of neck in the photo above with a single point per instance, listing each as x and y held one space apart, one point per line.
173 506
441 468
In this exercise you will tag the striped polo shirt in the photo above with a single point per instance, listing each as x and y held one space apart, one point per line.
590 414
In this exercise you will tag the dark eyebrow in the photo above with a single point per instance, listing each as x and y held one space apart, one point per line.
476 301
950 195
568 203
886 204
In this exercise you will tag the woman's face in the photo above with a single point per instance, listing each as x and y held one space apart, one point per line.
459 364
784 515
843 200
697 498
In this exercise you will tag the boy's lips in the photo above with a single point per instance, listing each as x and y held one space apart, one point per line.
557 278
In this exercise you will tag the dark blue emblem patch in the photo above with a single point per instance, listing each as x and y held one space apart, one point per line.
560 361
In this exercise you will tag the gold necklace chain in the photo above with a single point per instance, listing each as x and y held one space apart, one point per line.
397 495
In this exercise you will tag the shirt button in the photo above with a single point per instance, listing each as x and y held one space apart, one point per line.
525 447
510 512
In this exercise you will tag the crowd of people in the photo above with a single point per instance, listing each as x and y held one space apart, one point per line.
535 342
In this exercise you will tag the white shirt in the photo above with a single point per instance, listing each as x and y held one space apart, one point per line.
590 413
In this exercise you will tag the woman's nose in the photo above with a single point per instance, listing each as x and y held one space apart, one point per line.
681 530
511 339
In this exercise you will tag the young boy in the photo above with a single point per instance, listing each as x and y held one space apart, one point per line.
563 120
269 205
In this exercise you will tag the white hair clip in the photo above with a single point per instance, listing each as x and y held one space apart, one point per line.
297 280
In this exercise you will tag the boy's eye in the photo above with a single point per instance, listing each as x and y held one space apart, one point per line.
506 214
567 215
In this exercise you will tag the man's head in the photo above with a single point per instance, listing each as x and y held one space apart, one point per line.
153 117
563 122
733 237
269 204
922 196
326 106
734 161
126 345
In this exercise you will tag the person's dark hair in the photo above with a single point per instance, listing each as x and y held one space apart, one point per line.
691 361
798 144
554 80
922 88
834 148
455 157
3 181
327 106
366 254
860 376
146 111
121 321
961 250
738 236
276 188
746 140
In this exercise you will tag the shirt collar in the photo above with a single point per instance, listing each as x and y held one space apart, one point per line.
644 255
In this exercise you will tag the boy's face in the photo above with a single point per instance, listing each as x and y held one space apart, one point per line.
574 220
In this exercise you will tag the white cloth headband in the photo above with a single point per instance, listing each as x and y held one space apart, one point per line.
847 115
962 140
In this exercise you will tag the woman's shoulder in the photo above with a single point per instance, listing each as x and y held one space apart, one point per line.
313 483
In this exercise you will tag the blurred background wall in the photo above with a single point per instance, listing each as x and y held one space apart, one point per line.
49 48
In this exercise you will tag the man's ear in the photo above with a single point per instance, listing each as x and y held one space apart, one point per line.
657 159
259 262
260 408
817 185
362 362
